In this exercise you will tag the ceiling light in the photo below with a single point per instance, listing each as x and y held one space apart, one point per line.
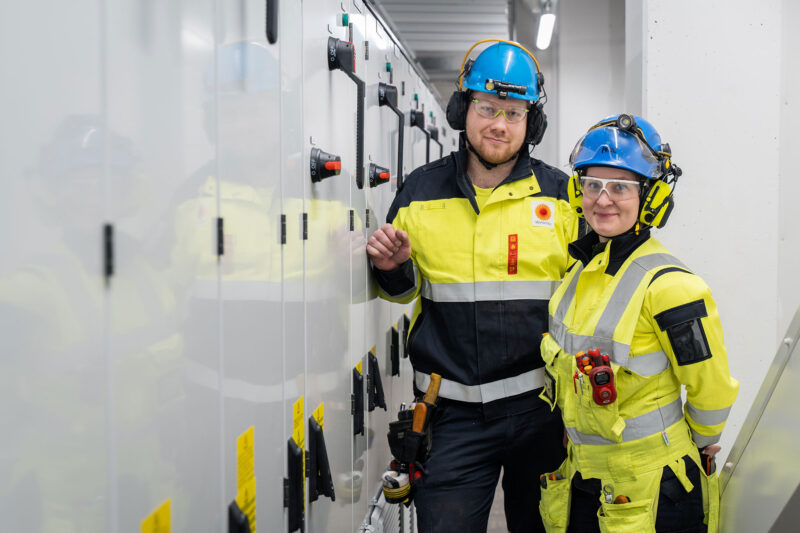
547 21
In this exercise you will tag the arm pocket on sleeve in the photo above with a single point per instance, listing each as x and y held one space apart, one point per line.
685 331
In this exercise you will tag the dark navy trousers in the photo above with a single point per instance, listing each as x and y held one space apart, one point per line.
467 456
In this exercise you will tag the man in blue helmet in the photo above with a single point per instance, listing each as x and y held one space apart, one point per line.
479 238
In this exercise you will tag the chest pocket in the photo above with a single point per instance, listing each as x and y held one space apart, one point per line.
442 237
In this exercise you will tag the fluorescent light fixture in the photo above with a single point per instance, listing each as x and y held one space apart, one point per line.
547 22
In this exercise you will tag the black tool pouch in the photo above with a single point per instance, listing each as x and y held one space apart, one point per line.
409 446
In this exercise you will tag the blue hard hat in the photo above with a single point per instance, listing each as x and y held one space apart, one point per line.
619 142
506 63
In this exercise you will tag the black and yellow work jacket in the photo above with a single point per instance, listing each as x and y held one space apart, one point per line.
482 278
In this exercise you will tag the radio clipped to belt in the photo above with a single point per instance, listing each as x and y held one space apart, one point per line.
410 442
601 375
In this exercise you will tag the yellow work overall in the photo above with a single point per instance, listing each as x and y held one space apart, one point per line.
625 444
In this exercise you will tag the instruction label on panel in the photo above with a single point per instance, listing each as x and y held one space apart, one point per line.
159 521
246 475
299 435
319 414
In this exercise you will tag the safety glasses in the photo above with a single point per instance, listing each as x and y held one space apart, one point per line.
617 190
489 110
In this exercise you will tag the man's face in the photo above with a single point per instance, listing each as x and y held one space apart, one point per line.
495 139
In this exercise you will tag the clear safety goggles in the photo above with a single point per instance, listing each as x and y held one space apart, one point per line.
617 190
489 110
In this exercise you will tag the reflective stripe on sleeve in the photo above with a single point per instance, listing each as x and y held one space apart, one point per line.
703 440
482 291
637 427
706 417
649 364
487 392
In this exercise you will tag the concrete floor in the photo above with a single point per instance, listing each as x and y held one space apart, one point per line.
497 516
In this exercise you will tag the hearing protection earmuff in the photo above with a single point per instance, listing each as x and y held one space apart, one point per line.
458 104
659 201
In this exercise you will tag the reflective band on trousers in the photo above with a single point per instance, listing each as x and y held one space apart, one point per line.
487 392
637 427
484 291
603 335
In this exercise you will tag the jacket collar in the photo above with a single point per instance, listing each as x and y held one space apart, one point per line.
522 169
621 247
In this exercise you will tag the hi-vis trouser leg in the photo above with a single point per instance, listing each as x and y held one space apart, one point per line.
640 487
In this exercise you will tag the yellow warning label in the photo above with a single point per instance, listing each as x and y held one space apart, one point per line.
246 475
298 433
245 458
159 521
395 325
319 413
360 367
246 500
373 350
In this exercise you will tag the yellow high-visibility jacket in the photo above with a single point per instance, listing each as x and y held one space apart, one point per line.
660 327
482 276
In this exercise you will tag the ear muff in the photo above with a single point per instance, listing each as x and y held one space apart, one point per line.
457 110
537 124
575 193
658 205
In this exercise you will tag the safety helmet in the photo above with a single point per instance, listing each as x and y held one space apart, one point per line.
504 69
631 143
622 141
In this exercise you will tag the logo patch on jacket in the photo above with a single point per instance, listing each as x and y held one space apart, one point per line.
543 213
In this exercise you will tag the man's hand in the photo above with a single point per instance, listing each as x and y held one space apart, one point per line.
388 248
711 450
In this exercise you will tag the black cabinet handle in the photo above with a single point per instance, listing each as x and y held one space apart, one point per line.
435 138
342 56
237 520
387 95
293 487
394 351
375 384
418 120
272 21
320 481
357 403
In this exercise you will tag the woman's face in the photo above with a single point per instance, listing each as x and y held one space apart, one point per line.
610 207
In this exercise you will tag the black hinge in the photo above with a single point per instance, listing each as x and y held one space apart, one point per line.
366 49
108 251
367 223
283 229
220 237
352 404
305 226
285 492
308 463
352 220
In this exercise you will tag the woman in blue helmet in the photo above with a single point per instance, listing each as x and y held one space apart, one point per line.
630 326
